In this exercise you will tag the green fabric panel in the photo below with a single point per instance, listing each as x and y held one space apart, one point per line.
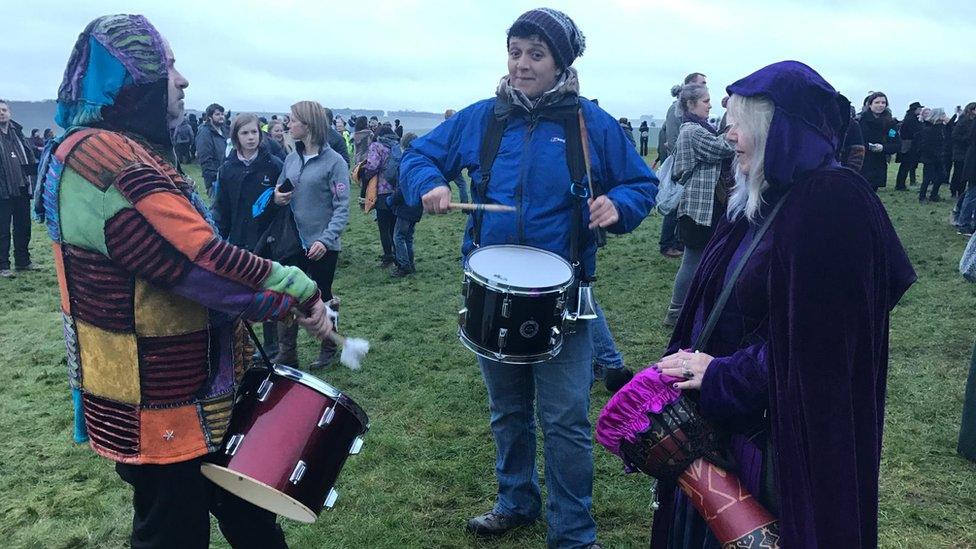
291 281
83 210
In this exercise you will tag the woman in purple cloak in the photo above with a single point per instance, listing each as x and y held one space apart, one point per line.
795 369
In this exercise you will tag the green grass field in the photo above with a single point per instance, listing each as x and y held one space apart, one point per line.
428 460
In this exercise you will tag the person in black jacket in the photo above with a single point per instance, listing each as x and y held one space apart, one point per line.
967 216
245 175
17 162
211 143
908 155
880 139
930 144
960 144
645 134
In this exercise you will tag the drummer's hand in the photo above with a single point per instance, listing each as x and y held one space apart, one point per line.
685 364
603 212
317 323
437 200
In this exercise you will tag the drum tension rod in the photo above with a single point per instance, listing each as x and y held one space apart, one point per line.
327 416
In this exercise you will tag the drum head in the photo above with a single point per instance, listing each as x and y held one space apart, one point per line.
258 493
520 267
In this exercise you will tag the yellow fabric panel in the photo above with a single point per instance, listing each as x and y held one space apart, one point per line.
109 363
170 435
162 313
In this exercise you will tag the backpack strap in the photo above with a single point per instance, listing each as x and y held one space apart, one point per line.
491 141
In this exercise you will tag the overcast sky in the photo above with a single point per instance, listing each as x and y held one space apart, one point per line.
432 55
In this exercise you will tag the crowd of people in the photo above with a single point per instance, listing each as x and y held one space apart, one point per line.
789 154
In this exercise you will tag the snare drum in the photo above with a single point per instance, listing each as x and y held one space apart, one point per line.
515 301
289 436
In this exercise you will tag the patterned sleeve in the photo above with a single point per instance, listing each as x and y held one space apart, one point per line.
166 241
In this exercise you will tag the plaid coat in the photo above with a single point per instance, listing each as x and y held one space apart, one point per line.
698 165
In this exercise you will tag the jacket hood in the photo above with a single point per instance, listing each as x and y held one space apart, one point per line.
117 78
809 122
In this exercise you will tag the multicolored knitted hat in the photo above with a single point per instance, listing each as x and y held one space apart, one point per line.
116 62
558 30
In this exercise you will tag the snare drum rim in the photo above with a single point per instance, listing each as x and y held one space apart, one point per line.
326 389
505 358
501 287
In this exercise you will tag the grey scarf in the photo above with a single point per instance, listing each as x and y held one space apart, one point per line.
567 85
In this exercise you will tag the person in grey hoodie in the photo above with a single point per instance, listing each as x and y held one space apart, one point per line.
319 202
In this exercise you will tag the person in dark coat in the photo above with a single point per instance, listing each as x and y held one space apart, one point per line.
795 369
17 163
960 145
182 138
930 144
247 173
211 143
908 154
407 217
645 135
851 154
967 215
880 139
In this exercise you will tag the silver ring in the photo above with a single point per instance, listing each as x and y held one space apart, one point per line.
684 363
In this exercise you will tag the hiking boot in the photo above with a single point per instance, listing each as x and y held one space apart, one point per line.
400 272
28 267
287 345
385 262
672 253
7 273
492 524
935 199
615 378
327 353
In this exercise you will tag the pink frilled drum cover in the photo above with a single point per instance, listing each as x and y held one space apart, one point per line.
654 429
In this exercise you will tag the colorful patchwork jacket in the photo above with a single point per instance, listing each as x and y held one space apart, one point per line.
152 299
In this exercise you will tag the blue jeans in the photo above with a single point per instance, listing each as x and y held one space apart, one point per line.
669 232
606 356
560 391
462 186
403 243
968 209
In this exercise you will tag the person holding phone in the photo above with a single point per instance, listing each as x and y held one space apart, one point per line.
314 183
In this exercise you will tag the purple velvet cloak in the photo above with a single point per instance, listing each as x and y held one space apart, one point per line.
829 271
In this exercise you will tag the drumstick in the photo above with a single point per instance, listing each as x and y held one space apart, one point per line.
482 207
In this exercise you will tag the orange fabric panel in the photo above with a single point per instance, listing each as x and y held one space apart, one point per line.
62 281
104 154
69 143
176 220
170 435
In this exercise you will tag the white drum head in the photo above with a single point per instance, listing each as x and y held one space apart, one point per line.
258 493
520 267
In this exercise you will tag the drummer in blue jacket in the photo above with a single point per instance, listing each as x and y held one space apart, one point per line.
538 106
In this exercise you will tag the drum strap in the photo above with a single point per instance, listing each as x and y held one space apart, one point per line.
702 340
577 160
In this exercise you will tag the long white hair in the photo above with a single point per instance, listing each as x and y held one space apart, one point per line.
751 115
